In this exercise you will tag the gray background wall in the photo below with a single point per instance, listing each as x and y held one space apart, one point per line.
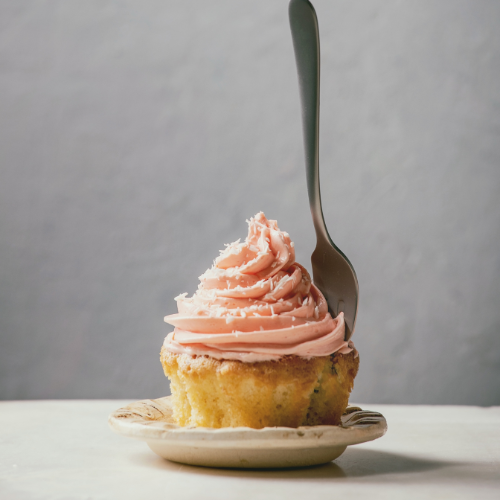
137 137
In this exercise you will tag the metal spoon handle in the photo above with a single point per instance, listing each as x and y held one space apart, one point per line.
305 36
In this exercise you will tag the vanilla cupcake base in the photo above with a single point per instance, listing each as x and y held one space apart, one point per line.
291 392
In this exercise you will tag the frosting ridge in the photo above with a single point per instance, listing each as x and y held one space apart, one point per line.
256 304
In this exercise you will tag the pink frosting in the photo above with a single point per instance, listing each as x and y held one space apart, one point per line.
256 304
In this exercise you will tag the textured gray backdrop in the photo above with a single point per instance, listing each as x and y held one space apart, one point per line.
137 137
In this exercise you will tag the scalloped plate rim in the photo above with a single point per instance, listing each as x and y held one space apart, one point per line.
129 422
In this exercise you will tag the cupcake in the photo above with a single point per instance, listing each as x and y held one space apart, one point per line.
255 346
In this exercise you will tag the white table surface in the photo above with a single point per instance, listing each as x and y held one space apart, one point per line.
65 450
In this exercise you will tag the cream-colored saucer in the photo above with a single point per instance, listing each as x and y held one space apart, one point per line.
241 447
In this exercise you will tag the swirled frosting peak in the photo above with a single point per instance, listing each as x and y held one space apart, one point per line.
256 304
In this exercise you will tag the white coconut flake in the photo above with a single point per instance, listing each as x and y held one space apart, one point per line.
181 296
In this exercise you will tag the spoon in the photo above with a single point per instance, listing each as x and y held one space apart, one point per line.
333 274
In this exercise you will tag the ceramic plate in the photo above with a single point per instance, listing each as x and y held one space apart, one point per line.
241 447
